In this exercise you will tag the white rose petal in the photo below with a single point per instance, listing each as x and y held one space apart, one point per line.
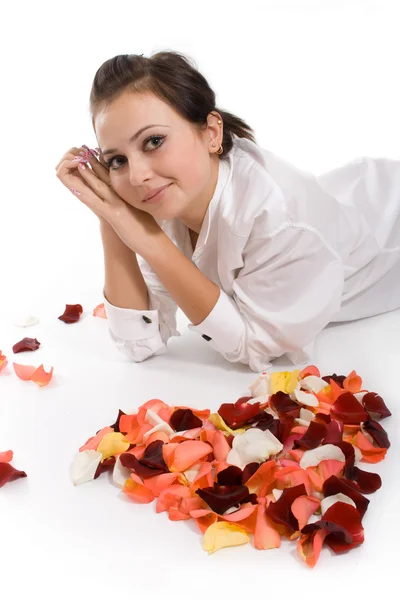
191 473
84 466
302 422
260 399
306 398
331 500
120 474
261 386
312 383
306 414
25 320
277 493
159 425
357 454
254 445
312 458
360 396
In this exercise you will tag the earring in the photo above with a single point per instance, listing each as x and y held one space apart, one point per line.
220 151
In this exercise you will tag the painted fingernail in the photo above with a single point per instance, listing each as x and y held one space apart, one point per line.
75 191
77 158
82 166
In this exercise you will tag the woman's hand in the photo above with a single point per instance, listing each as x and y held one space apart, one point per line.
92 187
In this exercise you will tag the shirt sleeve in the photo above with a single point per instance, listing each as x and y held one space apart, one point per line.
287 291
141 333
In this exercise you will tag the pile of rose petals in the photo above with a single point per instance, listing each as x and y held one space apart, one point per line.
7 471
279 463
38 375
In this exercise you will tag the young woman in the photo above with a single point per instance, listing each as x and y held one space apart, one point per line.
257 253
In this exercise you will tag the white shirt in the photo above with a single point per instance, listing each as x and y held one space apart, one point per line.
291 252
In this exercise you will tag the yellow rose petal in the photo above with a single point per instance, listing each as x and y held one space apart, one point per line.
284 381
222 535
112 443
219 423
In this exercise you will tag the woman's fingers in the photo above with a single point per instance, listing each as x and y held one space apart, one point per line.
97 164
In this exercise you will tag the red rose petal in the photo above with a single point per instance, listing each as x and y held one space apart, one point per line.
26 344
8 473
377 432
374 404
348 409
280 511
183 419
283 404
222 497
313 437
72 313
336 485
240 413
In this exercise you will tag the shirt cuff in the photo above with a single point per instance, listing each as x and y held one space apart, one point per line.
224 326
131 324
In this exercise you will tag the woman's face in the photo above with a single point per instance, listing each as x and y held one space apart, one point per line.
170 152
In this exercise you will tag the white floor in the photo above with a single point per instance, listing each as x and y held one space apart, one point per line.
92 539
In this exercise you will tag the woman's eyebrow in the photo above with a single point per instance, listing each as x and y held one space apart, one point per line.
133 138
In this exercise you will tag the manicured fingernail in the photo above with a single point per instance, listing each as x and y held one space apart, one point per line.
82 166
77 158
75 191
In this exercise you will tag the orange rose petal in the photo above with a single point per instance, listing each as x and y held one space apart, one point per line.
266 536
204 478
3 361
353 383
310 370
137 491
93 442
7 456
157 436
309 547
36 374
159 483
262 482
99 311
170 494
303 507
220 446
24 372
187 454
204 518
168 451
292 476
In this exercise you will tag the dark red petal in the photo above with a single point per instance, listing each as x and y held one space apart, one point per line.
265 422
339 379
241 413
72 313
8 473
26 344
183 419
348 409
313 437
130 461
349 518
364 481
153 456
221 497
281 510
322 417
249 471
377 432
334 432
230 476
115 426
283 404
374 404
337 485
106 465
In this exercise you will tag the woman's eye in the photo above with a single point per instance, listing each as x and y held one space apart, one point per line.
154 139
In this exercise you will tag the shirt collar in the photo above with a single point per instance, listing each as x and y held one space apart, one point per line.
224 168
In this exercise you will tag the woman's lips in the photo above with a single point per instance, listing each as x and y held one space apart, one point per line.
157 197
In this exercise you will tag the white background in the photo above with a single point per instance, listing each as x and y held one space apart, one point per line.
318 82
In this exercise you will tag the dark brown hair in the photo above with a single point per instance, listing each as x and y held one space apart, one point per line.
170 77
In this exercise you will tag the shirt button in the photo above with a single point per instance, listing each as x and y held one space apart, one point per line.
206 337
146 319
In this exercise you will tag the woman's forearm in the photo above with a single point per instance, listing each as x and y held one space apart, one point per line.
193 292
124 284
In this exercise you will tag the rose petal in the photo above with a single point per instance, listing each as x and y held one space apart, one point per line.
72 313
84 466
222 535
